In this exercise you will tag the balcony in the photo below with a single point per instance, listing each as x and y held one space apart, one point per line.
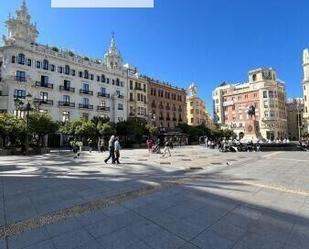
167 108
174 119
83 91
17 96
103 108
104 95
43 84
138 88
120 96
20 79
68 89
44 101
84 106
66 103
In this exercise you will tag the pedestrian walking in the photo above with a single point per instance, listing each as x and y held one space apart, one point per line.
117 150
111 149
166 147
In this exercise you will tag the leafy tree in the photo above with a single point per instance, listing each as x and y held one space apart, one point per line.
11 127
41 124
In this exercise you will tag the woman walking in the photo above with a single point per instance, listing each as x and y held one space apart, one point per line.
117 150
111 148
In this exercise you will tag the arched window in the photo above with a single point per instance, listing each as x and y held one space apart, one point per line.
67 69
86 74
21 59
45 64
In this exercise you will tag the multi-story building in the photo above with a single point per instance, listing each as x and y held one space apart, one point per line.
306 89
295 108
263 91
66 85
166 104
196 109
137 94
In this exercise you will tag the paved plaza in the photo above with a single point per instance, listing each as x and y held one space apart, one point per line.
197 198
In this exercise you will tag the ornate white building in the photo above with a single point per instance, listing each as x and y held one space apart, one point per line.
306 89
66 85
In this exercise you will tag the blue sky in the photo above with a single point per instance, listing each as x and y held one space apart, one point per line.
180 41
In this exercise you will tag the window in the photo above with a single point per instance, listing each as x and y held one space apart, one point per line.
86 74
38 64
66 84
85 87
52 67
103 79
131 96
60 69
103 90
21 76
44 79
21 59
254 77
98 78
66 98
271 94
19 93
192 120
107 80
120 107
85 101
65 116
67 69
29 62
131 85
73 72
264 94
113 82
44 96
80 74
13 59
45 64
91 76
117 82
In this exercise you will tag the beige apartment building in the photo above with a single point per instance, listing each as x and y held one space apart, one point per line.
137 95
263 91
196 109
306 90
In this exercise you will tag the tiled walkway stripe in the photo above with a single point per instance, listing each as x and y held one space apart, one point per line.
40 221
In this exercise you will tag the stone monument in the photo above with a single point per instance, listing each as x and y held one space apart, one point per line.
252 131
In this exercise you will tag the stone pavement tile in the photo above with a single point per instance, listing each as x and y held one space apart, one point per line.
163 240
289 246
2 244
211 240
108 225
299 236
18 209
120 239
256 241
188 246
275 228
92 244
144 229
138 245
47 244
63 226
28 238
72 239
228 231
91 217
183 229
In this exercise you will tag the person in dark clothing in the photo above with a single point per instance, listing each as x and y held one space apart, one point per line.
111 148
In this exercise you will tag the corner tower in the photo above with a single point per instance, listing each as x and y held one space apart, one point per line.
20 29
112 57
